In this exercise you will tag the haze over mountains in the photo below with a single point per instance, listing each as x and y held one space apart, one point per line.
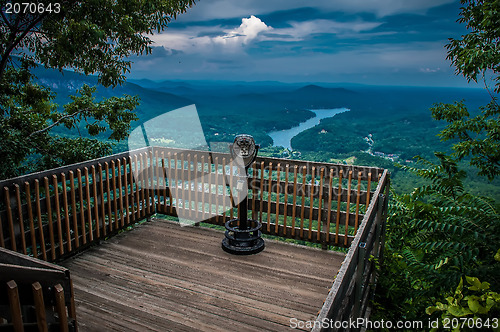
227 108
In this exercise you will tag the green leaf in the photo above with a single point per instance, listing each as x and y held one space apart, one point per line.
475 306
474 281
476 284
431 309
458 311
460 286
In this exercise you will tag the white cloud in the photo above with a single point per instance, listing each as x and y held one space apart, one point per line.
203 39
249 30
430 70
216 39
300 30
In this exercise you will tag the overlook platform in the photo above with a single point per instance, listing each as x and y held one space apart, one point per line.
151 278
125 269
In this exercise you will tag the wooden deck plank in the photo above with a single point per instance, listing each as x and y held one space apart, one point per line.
262 283
206 292
163 277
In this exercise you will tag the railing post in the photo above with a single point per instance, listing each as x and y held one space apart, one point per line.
380 236
359 286
379 225
383 220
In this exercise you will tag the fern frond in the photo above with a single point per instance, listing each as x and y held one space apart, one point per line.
445 246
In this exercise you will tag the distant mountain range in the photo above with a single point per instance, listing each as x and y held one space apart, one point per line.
227 108
211 98
152 101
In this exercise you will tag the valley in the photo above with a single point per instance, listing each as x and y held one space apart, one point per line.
384 125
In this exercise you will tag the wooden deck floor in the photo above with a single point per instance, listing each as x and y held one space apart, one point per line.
153 279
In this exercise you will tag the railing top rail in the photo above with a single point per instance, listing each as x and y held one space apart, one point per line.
15 258
351 254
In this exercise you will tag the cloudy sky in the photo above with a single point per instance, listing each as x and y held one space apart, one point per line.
383 42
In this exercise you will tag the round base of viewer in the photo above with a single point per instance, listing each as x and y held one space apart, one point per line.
243 241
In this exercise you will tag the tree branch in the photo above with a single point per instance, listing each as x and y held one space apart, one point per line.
11 27
16 41
56 123
488 89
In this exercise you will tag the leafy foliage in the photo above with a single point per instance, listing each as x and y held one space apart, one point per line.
476 56
479 136
437 234
479 50
476 301
88 37
29 113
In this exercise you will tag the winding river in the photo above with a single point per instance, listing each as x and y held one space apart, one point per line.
283 137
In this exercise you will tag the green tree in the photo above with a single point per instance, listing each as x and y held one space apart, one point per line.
91 37
439 233
476 56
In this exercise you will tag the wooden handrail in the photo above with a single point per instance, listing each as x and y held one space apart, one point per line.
348 295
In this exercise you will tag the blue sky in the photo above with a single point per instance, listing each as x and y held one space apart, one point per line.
381 42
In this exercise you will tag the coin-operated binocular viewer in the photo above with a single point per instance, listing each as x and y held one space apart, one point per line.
243 236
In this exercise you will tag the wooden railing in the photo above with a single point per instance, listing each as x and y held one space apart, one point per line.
56 213
315 202
34 295
348 298
53 214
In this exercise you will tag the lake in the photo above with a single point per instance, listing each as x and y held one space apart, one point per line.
284 137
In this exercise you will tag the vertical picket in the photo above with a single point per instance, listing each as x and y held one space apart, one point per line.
20 217
103 205
339 199
115 199
39 219
27 190
120 192
285 209
49 217
358 194
330 194
303 202
58 213
126 192
82 208
312 189
320 202
294 211
89 205
276 223
348 207
73 209
96 207
269 191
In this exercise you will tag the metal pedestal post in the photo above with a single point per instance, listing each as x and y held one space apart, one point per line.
245 238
